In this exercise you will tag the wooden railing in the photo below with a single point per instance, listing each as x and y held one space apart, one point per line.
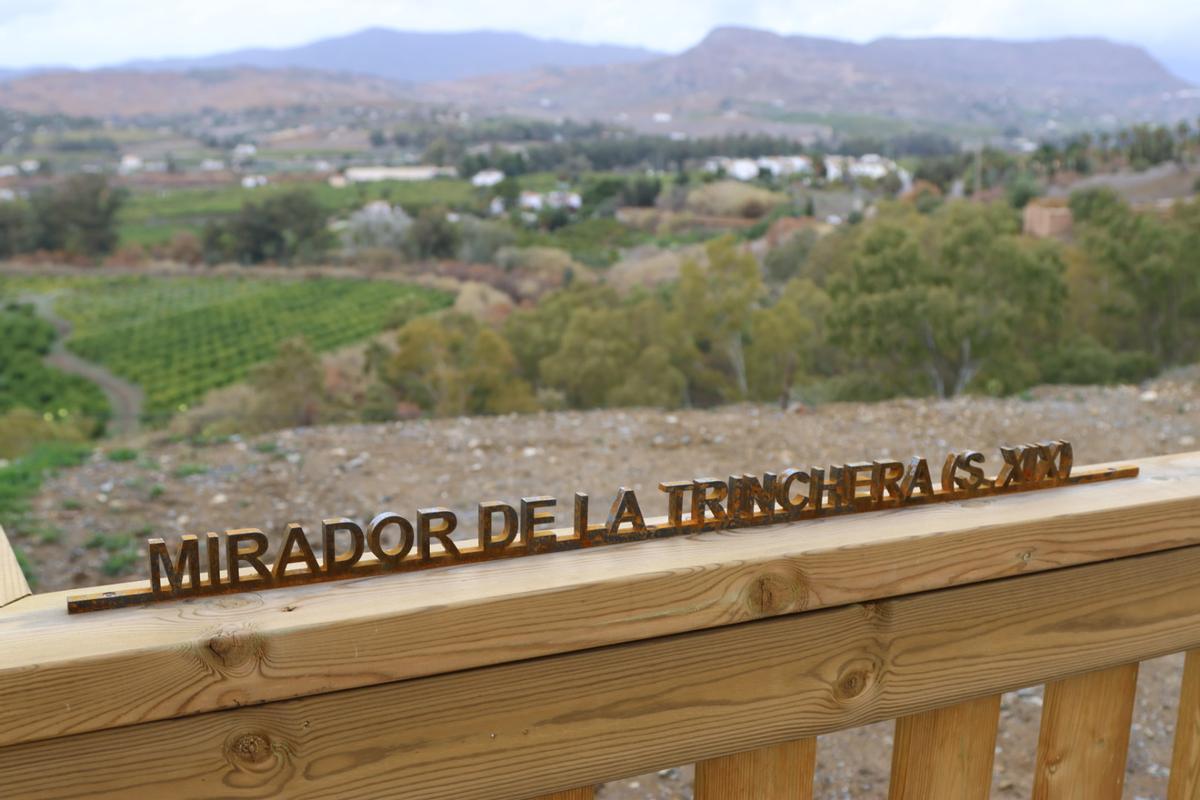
734 650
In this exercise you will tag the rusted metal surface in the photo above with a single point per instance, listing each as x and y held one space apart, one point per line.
741 501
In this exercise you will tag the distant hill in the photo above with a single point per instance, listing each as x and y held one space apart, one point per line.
127 93
744 77
414 57
735 79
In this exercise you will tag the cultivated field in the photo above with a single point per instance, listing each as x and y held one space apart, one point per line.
178 338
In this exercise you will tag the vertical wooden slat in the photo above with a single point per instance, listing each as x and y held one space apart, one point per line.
946 753
12 581
780 772
1185 760
582 793
1085 736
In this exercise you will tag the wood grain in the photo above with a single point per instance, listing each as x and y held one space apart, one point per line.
1085 735
1185 759
549 724
779 772
13 585
585 793
946 753
134 665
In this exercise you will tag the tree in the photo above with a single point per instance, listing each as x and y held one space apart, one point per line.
480 240
785 340
642 191
1021 190
433 235
442 151
1152 264
454 365
788 259
616 355
536 333
713 306
377 226
290 389
17 228
286 228
78 216
947 301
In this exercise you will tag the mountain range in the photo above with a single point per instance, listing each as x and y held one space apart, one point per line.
737 73
412 57
734 79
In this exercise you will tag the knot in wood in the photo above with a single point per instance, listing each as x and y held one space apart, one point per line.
231 649
252 748
851 684
772 593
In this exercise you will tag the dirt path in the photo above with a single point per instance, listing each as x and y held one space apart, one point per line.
125 398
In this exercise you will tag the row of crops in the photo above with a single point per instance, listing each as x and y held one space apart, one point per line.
26 382
179 337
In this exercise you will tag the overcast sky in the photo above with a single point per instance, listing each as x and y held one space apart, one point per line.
86 33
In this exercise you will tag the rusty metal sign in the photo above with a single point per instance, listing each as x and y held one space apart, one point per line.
394 543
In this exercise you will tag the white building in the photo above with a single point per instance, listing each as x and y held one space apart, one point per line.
487 177
130 164
871 166
531 201
253 181
212 165
244 151
7 195
417 173
560 199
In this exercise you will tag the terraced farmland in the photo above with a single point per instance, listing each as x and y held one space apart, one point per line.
180 337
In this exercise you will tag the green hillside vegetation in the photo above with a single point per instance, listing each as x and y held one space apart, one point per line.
178 338
37 402
151 217
909 303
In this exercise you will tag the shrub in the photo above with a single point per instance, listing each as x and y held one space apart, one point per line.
377 226
185 248
733 199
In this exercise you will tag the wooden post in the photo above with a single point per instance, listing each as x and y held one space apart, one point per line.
1085 736
1185 760
946 753
13 585
779 772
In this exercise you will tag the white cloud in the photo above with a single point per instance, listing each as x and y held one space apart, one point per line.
93 32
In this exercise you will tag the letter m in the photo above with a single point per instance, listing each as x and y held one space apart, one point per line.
188 562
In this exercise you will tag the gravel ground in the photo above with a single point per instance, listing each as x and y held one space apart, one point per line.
356 471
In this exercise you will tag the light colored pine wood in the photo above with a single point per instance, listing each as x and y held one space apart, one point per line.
584 793
1185 760
1085 735
947 753
13 585
779 772
132 665
522 729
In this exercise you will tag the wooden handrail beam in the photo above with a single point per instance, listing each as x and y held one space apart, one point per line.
135 665
545 725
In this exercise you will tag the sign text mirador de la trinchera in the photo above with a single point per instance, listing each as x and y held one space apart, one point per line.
394 543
